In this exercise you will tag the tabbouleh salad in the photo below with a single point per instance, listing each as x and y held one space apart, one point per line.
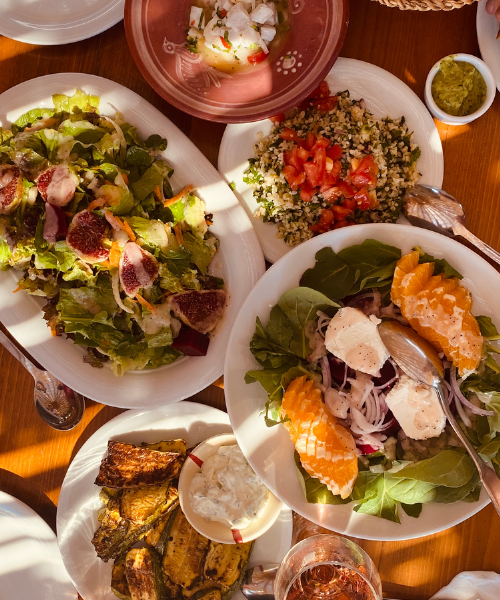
330 163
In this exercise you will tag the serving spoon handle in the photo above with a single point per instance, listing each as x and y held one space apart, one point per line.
460 229
487 474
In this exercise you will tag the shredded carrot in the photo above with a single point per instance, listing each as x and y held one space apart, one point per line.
53 332
129 231
178 196
68 214
145 303
125 178
178 234
97 203
115 254
18 289
105 264
157 191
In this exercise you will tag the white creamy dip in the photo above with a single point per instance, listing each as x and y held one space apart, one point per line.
227 490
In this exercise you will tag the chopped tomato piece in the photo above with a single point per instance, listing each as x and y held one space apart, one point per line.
321 142
225 43
340 212
336 168
334 152
320 159
293 177
278 118
321 91
346 190
314 173
310 140
363 200
288 134
328 180
349 203
306 192
332 193
303 154
366 173
325 222
341 224
223 13
255 59
293 158
325 104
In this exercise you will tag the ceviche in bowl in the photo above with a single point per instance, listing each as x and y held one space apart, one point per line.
318 392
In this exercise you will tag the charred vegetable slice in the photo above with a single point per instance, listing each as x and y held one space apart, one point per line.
209 594
226 564
144 576
185 553
128 466
119 585
157 536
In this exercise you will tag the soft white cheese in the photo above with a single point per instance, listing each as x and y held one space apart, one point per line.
354 338
416 408
238 18
227 490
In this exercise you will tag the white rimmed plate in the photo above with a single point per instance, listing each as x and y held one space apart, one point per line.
50 23
270 450
79 501
487 29
239 260
385 95
30 561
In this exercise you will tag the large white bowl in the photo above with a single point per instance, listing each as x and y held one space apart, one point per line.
239 261
270 450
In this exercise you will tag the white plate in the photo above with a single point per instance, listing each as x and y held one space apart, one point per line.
487 29
385 95
270 450
239 260
50 23
30 562
79 502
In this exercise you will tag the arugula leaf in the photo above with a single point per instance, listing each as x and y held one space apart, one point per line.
269 354
447 495
381 504
409 491
177 262
300 305
330 275
150 179
441 266
156 142
412 510
487 328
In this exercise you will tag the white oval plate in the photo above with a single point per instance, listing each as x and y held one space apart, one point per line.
487 29
239 260
30 561
47 22
270 450
385 95
79 499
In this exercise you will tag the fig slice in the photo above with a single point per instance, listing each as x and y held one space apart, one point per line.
199 310
11 188
85 237
55 227
191 342
57 185
138 269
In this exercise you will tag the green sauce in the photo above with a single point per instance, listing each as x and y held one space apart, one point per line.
458 88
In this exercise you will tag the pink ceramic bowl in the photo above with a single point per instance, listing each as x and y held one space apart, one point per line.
297 62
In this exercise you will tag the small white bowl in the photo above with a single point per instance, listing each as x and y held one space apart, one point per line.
444 117
213 530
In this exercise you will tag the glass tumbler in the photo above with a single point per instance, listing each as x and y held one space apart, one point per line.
327 567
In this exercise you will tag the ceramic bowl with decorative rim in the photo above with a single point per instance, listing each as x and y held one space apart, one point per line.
298 60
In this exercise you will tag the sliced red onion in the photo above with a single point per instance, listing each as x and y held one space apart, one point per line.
345 377
327 375
389 424
387 383
458 394
461 412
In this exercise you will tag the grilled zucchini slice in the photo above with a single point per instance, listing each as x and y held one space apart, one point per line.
144 575
185 553
119 585
208 594
157 536
178 445
225 564
129 466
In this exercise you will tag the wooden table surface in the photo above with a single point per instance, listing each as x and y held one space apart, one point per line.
34 458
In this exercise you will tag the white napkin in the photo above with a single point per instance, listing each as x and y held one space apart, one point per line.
471 585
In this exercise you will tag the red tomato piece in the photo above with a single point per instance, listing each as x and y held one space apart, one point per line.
340 212
255 59
341 224
325 104
278 118
313 173
336 168
321 142
362 199
294 159
293 177
306 192
366 173
303 155
288 134
349 203
310 140
334 152
346 190
332 193
328 180
320 159
225 43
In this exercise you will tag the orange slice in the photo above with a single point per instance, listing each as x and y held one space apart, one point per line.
326 449
439 310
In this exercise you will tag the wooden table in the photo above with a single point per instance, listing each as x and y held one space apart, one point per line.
34 458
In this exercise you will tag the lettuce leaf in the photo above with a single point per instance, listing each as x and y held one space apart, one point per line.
201 252
79 99
5 255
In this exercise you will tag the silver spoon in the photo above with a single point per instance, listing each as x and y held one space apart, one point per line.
58 405
434 209
420 361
